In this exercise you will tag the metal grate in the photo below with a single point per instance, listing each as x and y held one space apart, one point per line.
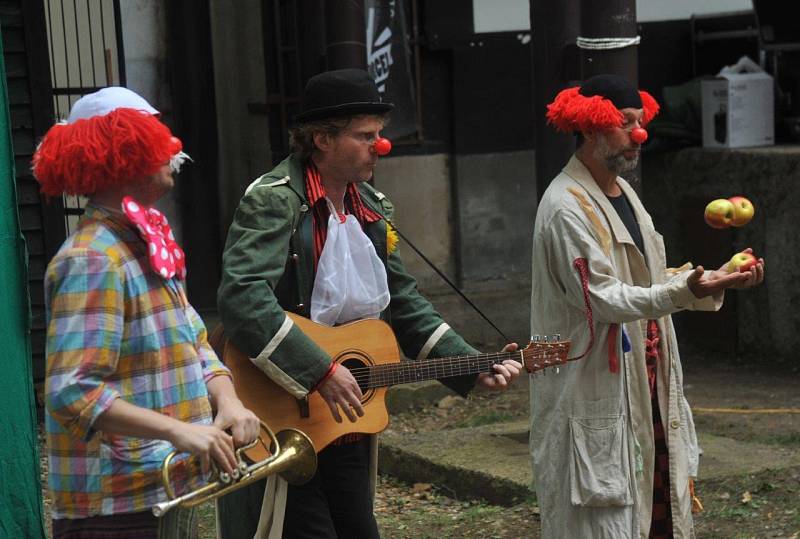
86 54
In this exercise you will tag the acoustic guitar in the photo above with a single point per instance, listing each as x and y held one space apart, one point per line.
368 348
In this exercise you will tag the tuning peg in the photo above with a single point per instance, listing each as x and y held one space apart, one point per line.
536 338
557 336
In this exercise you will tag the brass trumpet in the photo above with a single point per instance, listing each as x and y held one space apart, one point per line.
291 455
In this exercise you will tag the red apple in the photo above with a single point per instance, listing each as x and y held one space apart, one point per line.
743 210
719 213
742 262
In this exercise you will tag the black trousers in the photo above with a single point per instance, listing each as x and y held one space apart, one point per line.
335 504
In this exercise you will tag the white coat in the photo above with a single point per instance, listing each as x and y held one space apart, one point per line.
591 429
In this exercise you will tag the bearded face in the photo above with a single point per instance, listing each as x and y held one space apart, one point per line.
619 154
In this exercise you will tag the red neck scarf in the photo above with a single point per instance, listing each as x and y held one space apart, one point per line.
315 193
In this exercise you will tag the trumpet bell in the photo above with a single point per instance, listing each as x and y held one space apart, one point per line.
299 452
292 457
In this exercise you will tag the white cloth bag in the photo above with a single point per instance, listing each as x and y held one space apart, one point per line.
351 281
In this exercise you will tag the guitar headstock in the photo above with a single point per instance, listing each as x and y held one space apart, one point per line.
544 352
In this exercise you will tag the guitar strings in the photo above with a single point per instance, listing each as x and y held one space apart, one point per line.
454 361
386 374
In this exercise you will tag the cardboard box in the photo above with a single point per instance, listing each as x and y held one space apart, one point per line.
738 110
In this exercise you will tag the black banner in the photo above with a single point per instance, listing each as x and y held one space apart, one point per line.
389 63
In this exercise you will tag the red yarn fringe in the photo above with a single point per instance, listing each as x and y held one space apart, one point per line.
570 111
650 106
94 154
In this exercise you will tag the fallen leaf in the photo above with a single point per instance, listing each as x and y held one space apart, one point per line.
420 487
747 497
725 496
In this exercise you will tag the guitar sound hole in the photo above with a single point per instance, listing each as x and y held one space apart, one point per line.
356 367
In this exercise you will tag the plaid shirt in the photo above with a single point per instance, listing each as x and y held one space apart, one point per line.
117 330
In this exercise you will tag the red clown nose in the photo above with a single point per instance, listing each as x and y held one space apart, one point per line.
382 146
175 145
638 135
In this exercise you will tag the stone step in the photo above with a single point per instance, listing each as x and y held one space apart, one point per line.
492 462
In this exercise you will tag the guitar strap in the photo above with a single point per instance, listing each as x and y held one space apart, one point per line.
273 509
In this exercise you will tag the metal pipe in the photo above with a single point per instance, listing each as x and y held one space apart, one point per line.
555 27
345 34
91 40
120 44
611 18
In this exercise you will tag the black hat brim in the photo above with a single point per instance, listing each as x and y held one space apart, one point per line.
347 109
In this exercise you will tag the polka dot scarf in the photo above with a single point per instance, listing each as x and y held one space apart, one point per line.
166 257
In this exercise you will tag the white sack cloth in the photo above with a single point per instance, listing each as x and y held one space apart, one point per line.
351 281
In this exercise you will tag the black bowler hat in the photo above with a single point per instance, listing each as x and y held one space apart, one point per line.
343 92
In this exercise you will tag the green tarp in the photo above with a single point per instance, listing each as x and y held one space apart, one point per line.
20 490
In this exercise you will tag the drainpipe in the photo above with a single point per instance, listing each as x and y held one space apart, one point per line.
611 19
345 34
555 27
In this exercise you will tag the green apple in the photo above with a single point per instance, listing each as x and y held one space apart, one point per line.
719 213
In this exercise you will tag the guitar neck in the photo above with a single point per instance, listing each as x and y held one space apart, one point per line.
432 369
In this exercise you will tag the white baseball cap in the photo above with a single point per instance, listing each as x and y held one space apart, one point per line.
106 100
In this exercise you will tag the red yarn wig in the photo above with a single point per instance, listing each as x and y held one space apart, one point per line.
570 111
94 154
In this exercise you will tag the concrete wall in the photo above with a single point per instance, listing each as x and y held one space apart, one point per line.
144 39
496 197
658 10
419 187
764 322
489 215
145 43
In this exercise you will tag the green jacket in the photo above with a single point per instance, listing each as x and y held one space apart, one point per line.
268 268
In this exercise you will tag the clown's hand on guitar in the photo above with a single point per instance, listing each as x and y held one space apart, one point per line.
504 373
340 390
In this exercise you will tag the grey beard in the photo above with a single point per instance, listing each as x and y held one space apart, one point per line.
619 164
615 163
